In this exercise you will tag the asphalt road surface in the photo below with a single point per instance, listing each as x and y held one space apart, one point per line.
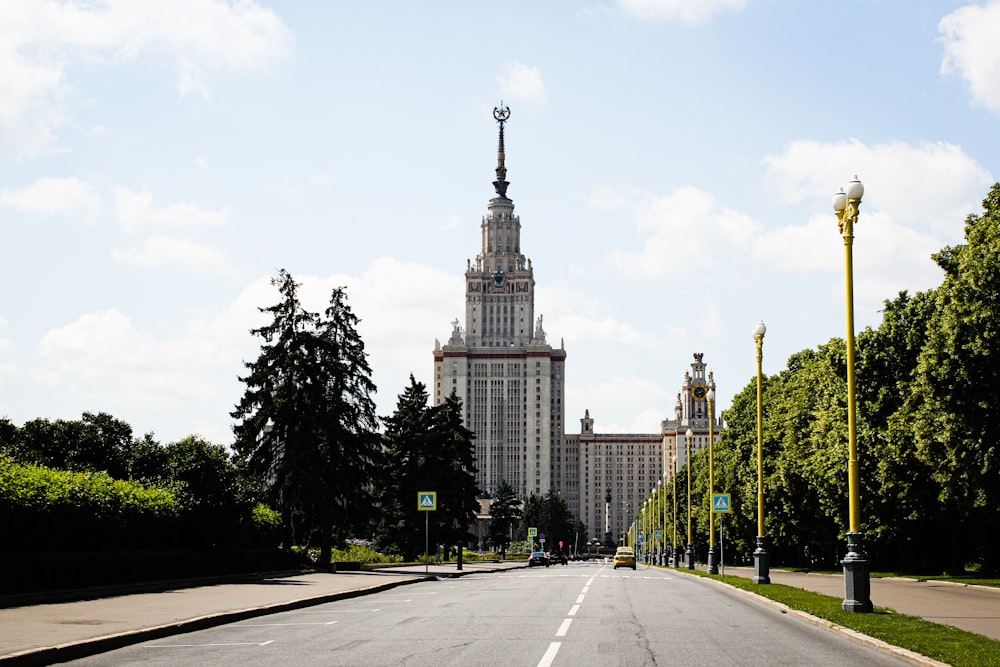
581 614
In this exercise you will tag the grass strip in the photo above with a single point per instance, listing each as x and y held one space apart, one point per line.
940 642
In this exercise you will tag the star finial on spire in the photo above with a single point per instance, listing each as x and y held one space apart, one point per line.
501 114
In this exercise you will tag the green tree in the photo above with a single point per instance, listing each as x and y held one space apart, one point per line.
306 424
551 516
505 512
426 449
952 411
96 442
453 467
903 503
399 527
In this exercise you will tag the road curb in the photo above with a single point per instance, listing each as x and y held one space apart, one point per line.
64 652
877 644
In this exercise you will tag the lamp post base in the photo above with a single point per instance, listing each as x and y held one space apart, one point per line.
857 584
713 561
690 557
761 562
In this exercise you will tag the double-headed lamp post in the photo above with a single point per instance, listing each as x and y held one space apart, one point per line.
713 563
687 464
856 582
761 566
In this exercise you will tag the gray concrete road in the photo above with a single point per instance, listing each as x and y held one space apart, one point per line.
583 614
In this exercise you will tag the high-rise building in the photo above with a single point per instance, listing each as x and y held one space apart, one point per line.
512 385
618 471
510 379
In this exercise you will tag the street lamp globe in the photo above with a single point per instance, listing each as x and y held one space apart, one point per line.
759 330
839 201
855 190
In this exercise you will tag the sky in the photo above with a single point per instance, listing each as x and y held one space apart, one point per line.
672 164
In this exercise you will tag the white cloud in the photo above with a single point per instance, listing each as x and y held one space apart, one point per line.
39 38
620 394
689 219
685 11
916 200
187 377
134 210
931 184
969 37
54 196
451 223
102 355
521 82
185 254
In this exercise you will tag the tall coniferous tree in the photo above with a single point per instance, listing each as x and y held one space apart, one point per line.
505 512
426 449
398 528
453 449
306 423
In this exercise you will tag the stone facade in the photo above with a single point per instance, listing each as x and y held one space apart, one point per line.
512 385
631 466
511 381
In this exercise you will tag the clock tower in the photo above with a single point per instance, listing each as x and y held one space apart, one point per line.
510 380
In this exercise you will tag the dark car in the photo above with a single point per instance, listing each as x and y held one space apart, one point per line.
557 557
538 558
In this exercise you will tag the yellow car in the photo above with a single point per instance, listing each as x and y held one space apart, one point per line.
624 557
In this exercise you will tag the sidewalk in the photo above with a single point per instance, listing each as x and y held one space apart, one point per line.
46 633
972 608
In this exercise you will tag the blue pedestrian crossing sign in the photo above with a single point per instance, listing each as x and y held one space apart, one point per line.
720 503
532 532
427 501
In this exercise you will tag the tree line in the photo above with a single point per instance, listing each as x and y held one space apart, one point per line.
308 444
308 441
928 397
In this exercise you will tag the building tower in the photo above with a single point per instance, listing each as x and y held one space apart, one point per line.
510 380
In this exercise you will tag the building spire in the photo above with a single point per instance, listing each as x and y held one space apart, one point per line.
501 113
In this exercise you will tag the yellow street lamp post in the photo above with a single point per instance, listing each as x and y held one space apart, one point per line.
644 528
673 548
761 559
856 580
713 563
661 520
687 463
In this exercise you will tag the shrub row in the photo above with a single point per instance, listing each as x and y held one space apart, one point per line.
41 508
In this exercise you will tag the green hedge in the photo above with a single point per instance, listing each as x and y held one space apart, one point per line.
41 508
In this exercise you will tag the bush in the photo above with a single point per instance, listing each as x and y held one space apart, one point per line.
49 509
357 553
